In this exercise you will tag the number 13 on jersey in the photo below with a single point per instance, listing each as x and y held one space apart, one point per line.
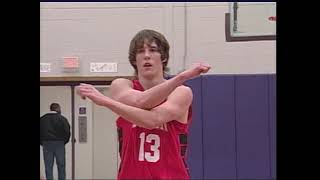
153 147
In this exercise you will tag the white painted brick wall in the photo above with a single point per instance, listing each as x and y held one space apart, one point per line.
101 32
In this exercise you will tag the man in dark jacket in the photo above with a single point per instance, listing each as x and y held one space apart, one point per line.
54 134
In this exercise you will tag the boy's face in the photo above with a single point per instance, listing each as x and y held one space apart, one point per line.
148 59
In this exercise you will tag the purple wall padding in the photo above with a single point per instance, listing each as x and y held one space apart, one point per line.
219 127
233 132
273 123
252 130
194 153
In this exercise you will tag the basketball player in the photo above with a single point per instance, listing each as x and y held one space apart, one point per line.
155 113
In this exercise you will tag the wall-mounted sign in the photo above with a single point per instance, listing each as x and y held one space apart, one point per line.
82 110
103 67
82 129
45 67
70 64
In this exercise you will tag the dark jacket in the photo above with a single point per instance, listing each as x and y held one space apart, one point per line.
54 127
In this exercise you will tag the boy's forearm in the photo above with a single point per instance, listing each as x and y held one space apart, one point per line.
157 94
140 117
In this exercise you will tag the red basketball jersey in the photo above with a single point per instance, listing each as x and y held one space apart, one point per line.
153 154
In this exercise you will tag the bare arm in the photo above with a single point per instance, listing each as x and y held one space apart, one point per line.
122 89
174 108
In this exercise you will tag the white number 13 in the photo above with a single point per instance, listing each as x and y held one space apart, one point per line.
155 147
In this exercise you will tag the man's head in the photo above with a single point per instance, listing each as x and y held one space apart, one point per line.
55 107
152 40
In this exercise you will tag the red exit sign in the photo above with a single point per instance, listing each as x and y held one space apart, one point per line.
71 62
